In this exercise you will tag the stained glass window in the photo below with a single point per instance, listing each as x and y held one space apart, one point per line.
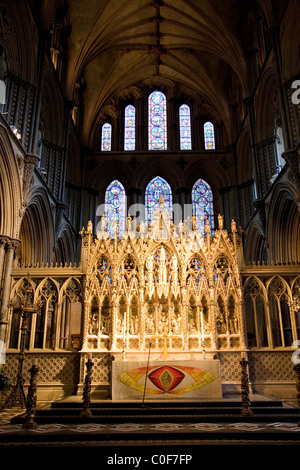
158 186
209 136
185 127
129 137
202 199
157 121
106 137
115 208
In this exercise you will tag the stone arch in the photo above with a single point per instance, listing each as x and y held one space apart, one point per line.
255 244
266 105
11 197
65 246
284 226
37 231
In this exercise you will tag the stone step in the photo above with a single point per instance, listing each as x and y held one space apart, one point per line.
107 404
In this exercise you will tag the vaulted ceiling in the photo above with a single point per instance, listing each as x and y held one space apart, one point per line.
195 47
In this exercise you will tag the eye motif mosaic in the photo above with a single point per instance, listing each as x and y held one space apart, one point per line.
166 379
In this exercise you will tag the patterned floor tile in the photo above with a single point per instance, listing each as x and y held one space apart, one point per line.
246 426
167 427
206 427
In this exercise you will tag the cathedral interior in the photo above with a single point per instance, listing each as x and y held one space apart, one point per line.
150 188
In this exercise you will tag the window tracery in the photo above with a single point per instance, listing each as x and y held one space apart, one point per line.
106 137
185 127
115 207
158 192
202 199
157 121
209 136
129 135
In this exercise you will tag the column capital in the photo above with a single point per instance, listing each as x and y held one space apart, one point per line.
3 240
13 243
9 242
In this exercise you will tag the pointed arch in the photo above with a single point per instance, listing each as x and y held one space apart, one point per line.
106 137
129 131
185 127
209 136
202 200
156 187
115 207
157 121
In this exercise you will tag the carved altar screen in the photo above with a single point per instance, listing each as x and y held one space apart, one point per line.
171 287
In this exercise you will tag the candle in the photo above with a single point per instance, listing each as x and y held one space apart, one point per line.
90 356
35 362
243 354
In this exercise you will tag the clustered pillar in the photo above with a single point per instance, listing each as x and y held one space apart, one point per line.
7 250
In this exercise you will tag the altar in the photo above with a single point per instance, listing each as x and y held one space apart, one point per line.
166 380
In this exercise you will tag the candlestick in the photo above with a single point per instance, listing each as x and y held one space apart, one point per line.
30 423
86 412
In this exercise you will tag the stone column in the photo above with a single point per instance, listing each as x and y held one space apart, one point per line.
249 103
67 337
3 241
5 293
274 34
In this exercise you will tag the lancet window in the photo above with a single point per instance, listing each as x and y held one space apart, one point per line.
185 127
158 192
202 199
115 208
157 121
106 137
129 134
209 136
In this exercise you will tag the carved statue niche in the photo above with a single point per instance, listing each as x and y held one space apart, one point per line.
205 311
192 315
133 317
105 317
94 317
150 327
162 317
221 316
121 315
232 317
175 320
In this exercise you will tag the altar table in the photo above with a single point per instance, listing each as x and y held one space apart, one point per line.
172 380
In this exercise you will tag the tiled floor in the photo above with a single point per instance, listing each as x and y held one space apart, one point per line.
126 428
161 428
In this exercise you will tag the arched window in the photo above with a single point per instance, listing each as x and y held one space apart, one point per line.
129 135
157 118
158 186
106 137
185 127
115 208
202 200
209 136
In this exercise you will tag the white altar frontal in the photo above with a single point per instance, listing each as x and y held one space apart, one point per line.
166 379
